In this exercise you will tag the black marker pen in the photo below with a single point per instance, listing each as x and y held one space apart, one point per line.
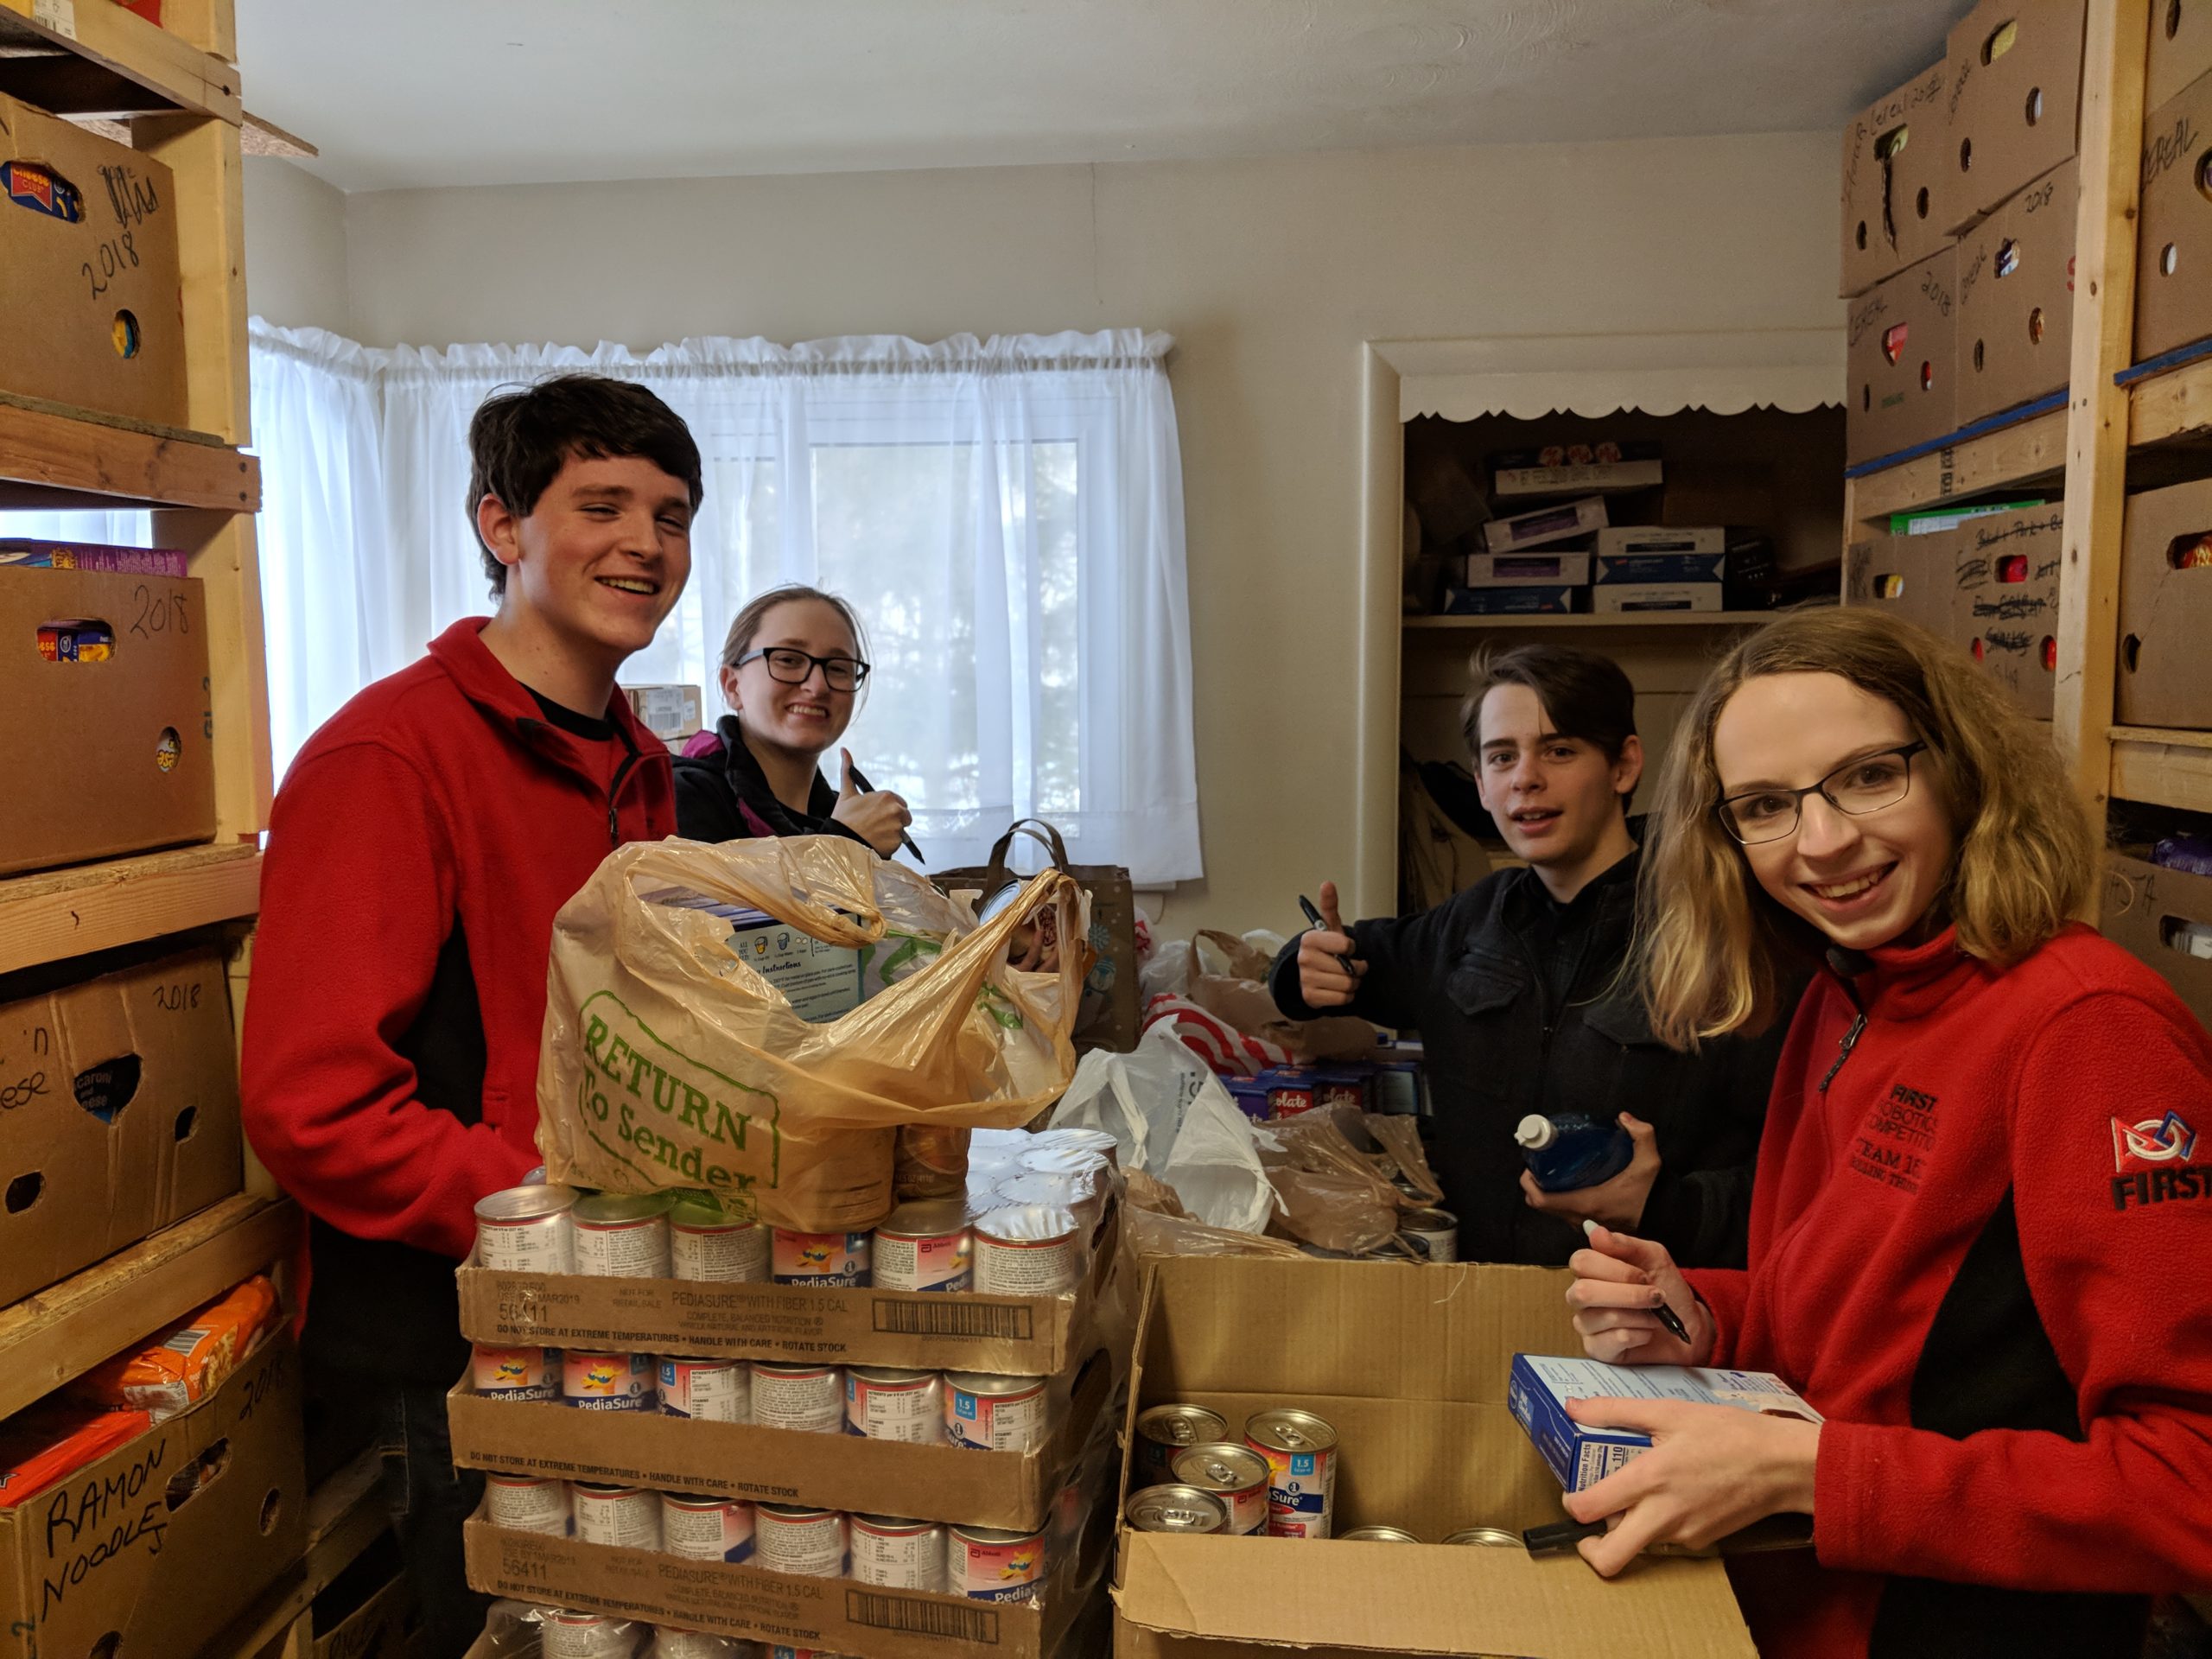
1314 916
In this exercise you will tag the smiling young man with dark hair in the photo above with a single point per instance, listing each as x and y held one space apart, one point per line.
1516 988
418 852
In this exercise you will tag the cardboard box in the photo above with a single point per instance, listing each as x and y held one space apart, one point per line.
1636 569
1622 597
1674 541
1581 1455
168 1539
780 1465
2016 298
2173 272
2181 49
123 1115
1012 1336
375 1629
1546 524
1902 390
111 756
2005 601
1557 600
2015 102
1896 167
93 311
1410 1364
1911 576
670 713
1601 468
2166 609
2145 908
1540 569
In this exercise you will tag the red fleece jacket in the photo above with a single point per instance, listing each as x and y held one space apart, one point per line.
2075 1085
439 796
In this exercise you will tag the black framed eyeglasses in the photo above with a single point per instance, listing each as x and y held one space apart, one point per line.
1866 785
792 667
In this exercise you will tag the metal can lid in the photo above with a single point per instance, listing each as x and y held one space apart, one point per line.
891 1375
1221 1466
696 1501
700 1213
793 1511
520 1204
1181 1425
925 1218
1496 1535
1378 1536
613 1208
898 1524
790 1367
1047 1189
608 1488
1430 1221
1287 1429
997 1536
983 1383
1177 1509
1026 1223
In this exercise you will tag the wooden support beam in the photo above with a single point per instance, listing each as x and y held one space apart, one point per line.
51 914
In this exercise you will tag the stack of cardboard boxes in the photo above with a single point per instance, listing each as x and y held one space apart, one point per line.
2173 272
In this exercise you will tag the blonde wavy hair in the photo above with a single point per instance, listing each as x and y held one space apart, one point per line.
1712 949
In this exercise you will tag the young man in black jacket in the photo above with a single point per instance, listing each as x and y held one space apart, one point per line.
1517 988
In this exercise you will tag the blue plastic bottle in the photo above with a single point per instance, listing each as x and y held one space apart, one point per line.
1572 1150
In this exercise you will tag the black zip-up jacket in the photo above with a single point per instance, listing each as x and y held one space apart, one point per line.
1520 1009
723 795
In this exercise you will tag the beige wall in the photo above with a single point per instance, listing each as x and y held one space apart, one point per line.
1270 274
295 247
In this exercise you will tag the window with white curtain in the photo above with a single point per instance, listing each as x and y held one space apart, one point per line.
1005 515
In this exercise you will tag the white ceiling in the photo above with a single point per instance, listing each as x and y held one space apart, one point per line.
415 93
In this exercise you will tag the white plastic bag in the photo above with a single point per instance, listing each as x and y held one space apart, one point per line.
1171 1118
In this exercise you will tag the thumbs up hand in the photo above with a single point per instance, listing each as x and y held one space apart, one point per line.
879 819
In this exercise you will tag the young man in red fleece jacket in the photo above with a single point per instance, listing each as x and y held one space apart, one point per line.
418 850
1982 1201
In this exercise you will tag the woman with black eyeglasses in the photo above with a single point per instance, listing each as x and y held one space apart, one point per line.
793 670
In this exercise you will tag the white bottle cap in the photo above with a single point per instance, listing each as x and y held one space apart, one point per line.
1535 1132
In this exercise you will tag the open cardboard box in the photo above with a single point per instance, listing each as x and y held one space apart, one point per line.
1410 1363
157 1545
1013 1489
1010 1335
2144 906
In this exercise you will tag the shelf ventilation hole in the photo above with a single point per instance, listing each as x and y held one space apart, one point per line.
1928 377
2035 326
2035 104
2190 939
2204 174
107 1646
1966 154
188 1122
169 749
2169 260
2050 655
1889 587
2008 257
1920 202
105 1089
2000 39
38 189
2013 567
24 1192
2173 18
197 1475
125 334
1893 340
272 1510
2190 552
1977 357
75 639
2130 651
1865 399
1977 648
1862 236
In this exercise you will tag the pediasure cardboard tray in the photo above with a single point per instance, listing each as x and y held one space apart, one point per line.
1011 1490
1011 1336
1410 1363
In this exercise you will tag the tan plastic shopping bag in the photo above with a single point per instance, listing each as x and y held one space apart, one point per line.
669 1061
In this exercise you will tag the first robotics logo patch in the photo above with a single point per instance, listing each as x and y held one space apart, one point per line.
2153 1143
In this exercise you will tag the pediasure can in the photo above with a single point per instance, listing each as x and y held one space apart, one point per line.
1177 1509
527 1504
516 1373
1164 1433
985 1564
984 1413
1496 1537
1377 1535
810 1398
673 1642
710 1390
1235 1474
622 1235
1030 1249
894 1554
885 1403
702 1528
626 1516
822 1260
587 1636
597 1382
704 1242
525 1229
1434 1233
925 1246
792 1538
1301 1453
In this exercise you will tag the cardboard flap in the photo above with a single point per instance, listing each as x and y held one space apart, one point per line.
1474 1601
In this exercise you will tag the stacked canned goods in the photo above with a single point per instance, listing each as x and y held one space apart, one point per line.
565 1634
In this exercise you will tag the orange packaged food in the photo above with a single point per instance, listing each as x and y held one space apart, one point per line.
189 1360
56 1438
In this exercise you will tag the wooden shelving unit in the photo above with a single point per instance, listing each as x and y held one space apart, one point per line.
2113 421
1587 620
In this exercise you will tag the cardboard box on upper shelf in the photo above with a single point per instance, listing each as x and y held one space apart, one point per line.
670 713
2180 48
2166 609
2005 601
1895 170
128 1119
2165 918
1555 599
104 680
2016 298
88 237
2015 102
1909 576
2173 269
1902 390
1616 598
1544 524
1605 467
1542 568
1672 541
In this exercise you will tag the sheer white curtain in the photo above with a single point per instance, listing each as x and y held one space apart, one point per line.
1006 515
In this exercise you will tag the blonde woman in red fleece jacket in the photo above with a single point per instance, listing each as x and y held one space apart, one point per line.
1981 1215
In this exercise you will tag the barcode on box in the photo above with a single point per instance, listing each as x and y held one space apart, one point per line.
918 1618
953 1316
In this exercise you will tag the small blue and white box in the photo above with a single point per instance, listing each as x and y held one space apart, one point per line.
1581 1455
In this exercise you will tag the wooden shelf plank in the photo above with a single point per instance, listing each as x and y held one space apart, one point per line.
123 65
2031 452
346 1515
51 914
1590 619
66 1330
2162 767
53 458
2177 404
